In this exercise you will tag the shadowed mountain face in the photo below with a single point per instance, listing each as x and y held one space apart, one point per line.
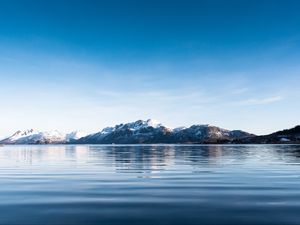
290 132
149 132
207 134
288 136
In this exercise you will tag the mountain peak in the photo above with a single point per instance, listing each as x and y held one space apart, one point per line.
151 131
153 123
139 124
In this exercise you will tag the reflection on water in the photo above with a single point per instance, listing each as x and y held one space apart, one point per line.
150 184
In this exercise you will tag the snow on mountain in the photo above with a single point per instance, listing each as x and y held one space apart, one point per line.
152 123
206 134
141 131
75 135
177 129
139 124
22 134
38 137
150 131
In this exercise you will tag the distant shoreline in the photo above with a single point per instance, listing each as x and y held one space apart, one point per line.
154 144
151 132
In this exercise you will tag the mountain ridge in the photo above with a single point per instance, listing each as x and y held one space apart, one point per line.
286 136
152 132
32 136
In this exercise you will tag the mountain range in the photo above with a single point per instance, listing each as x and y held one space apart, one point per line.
38 137
152 132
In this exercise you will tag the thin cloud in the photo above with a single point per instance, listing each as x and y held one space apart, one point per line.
240 91
261 101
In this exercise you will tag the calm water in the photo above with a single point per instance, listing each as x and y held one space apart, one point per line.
167 184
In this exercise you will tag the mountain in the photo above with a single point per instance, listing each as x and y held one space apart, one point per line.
37 137
140 131
205 134
288 136
151 132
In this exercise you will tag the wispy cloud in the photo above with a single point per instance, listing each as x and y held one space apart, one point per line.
261 101
239 91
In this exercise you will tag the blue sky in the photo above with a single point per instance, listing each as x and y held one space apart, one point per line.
85 65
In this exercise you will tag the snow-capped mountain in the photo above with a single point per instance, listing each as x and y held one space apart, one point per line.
38 137
140 131
206 134
153 132
150 131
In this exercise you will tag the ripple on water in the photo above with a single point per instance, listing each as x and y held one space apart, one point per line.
194 184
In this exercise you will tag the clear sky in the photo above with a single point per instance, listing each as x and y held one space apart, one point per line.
84 65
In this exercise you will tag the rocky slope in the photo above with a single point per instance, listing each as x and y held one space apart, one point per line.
288 136
205 134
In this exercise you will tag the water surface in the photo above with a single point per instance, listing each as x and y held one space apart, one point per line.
157 184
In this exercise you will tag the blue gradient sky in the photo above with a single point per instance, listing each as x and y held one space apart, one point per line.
70 65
